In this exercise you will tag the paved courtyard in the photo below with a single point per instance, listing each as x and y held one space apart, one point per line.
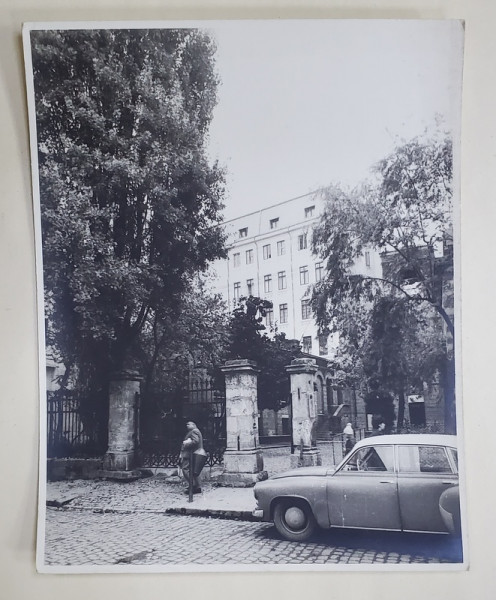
85 537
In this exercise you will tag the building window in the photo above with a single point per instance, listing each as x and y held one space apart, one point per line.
249 257
249 287
237 290
281 280
269 317
266 251
319 271
302 241
304 278
236 259
243 232
306 309
281 248
283 313
309 211
323 348
274 223
307 344
267 283
367 259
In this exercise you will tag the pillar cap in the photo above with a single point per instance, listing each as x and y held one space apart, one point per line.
302 365
240 365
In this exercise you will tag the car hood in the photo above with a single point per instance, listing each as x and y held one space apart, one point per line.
305 472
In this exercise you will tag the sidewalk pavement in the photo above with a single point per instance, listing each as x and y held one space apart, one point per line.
157 494
164 492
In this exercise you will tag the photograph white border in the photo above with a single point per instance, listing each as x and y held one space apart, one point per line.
177 568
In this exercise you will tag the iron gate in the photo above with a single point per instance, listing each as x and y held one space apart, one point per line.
161 424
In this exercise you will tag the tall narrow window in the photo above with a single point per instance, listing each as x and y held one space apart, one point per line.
237 290
249 257
281 248
274 223
281 280
269 317
302 241
306 309
283 313
243 232
304 277
309 211
319 271
250 288
367 259
236 259
267 283
266 251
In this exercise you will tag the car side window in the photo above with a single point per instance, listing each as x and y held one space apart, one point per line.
380 458
423 459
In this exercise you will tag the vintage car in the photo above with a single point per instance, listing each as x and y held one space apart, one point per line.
390 482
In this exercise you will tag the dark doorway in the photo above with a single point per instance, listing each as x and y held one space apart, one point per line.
417 413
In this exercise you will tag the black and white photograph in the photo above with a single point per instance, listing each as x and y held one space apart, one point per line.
247 238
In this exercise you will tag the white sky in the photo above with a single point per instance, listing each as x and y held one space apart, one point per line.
306 103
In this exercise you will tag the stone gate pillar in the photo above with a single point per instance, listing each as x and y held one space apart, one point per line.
119 461
304 412
243 459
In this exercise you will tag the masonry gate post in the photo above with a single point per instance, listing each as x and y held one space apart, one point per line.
243 458
304 412
119 461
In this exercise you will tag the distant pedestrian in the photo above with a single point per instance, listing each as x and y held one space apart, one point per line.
349 438
192 448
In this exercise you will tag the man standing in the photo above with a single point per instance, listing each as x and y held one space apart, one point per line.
192 447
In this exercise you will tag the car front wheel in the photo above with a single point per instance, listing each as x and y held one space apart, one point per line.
294 520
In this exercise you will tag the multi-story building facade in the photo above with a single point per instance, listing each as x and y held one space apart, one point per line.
270 257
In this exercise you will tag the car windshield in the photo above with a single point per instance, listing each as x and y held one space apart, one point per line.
380 458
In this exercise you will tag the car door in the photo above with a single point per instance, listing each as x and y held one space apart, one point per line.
363 493
424 473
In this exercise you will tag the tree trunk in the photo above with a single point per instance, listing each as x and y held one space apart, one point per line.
401 409
449 397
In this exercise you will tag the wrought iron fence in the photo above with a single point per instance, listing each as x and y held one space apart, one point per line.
74 428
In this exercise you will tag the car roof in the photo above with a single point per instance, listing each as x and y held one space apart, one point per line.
433 439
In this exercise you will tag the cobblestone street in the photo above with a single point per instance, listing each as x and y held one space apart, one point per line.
84 537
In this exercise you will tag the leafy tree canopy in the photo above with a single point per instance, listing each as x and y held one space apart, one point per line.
392 321
129 201
406 215
249 339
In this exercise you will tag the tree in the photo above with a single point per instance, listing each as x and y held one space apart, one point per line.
197 339
406 217
129 201
402 350
249 340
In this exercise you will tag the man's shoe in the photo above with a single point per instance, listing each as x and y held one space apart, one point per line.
197 490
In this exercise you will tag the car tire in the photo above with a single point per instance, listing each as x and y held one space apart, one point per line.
294 520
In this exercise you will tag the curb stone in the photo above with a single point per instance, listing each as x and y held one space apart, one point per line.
233 515
237 515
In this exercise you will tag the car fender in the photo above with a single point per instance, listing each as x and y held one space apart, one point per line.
449 507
